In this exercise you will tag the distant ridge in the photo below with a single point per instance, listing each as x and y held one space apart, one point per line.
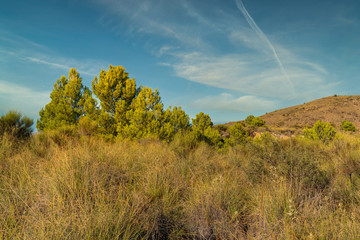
333 109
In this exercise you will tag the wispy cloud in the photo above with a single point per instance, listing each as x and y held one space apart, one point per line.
241 73
256 66
86 67
227 102
265 39
26 100
32 52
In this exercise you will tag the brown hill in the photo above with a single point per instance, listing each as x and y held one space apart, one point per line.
332 109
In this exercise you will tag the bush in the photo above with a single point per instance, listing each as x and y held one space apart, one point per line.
237 133
249 119
320 131
213 137
258 122
16 125
254 121
348 126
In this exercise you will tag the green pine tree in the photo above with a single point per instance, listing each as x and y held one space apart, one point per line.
65 107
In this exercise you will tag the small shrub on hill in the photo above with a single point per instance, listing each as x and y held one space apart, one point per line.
348 126
320 131
254 121
248 119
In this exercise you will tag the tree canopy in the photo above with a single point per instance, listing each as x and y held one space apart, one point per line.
123 111
66 105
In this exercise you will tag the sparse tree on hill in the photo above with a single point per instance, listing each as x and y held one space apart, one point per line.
348 126
254 121
320 131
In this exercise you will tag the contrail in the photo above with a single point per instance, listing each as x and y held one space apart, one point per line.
262 36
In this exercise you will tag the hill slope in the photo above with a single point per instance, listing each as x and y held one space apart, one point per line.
332 109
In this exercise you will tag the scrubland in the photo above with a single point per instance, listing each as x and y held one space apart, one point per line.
54 186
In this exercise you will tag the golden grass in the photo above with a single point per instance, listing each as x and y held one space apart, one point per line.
86 188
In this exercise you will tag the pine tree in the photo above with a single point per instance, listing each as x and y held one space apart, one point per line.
144 116
174 120
65 108
116 91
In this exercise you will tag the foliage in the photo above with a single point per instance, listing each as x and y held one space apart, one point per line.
237 134
66 105
143 118
254 121
125 111
116 91
201 122
174 120
348 126
66 187
203 127
249 119
16 125
213 137
320 131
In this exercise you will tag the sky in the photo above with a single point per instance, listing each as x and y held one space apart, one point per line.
228 59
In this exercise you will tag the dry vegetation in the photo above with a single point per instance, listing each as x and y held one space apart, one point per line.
292 120
332 109
59 187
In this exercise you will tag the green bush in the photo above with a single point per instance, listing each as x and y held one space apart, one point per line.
249 119
237 134
212 136
320 131
348 126
16 125
254 121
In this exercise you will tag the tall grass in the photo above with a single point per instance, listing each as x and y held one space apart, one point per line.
58 187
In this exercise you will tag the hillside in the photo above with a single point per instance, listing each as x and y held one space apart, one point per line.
332 109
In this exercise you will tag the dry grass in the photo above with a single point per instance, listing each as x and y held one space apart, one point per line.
333 109
86 188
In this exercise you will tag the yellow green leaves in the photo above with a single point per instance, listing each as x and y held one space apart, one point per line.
320 131
125 111
112 86
65 105
143 117
174 120
201 122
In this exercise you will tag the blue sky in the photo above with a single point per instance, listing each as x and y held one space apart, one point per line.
228 58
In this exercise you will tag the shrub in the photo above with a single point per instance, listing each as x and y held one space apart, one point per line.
249 119
258 122
213 136
348 126
237 133
320 131
16 125
254 121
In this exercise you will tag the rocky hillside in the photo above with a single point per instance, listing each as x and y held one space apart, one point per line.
332 109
